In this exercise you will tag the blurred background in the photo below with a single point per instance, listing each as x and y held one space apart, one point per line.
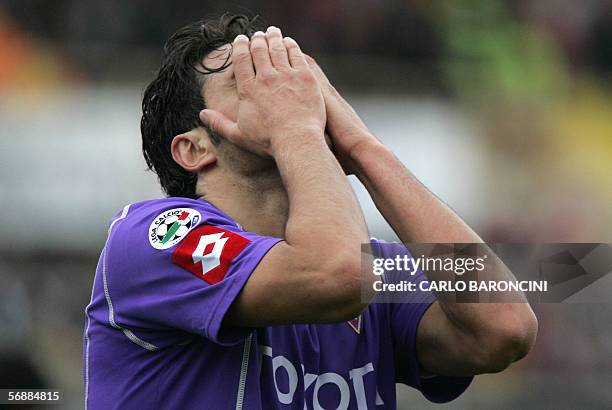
502 108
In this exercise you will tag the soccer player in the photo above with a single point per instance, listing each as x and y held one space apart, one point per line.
242 289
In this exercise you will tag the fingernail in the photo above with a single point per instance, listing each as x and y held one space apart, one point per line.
258 33
241 37
272 28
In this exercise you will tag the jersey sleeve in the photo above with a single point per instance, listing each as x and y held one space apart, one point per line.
404 320
186 285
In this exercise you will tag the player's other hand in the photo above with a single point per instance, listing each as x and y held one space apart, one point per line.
346 130
279 98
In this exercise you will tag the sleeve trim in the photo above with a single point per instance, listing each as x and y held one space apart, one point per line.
436 388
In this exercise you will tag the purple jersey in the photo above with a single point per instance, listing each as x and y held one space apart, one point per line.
165 280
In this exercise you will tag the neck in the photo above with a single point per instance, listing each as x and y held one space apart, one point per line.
258 203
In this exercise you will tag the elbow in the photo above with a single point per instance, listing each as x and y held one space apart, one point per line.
509 342
348 285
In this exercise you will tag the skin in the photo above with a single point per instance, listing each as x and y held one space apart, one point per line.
274 173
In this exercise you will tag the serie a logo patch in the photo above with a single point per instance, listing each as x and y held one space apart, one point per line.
169 227
208 251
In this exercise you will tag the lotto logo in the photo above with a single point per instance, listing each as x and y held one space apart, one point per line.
208 251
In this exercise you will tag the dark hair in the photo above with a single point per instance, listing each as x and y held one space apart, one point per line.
173 100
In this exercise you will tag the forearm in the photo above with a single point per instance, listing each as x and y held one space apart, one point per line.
414 212
313 276
418 216
324 215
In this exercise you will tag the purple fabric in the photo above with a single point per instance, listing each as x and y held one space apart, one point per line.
153 334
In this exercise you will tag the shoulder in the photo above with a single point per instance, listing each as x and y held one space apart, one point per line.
187 233
159 225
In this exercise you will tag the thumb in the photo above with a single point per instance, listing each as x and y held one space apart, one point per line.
220 124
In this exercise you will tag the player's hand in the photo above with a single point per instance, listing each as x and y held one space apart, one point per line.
279 98
346 129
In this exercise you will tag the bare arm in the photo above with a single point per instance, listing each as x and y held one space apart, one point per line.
453 338
314 275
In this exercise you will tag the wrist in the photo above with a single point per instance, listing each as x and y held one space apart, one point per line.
367 152
297 139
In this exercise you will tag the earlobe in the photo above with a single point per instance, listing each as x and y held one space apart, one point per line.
192 151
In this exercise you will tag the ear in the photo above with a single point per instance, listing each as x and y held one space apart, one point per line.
193 150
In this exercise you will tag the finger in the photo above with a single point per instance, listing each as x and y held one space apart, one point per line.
241 61
296 57
260 54
278 52
316 69
312 63
220 124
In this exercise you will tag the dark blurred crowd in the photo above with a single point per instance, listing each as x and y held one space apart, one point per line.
426 32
